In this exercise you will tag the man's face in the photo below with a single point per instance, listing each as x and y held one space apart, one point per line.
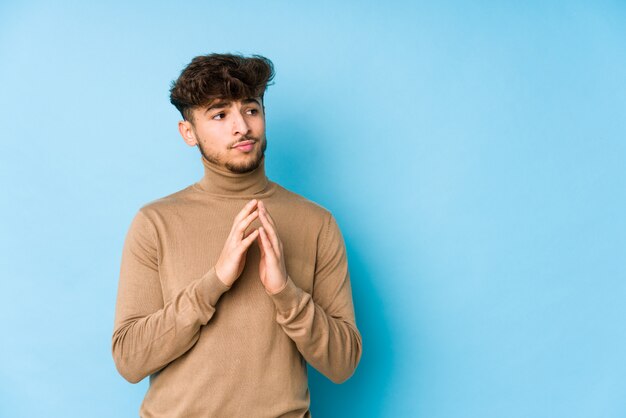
229 133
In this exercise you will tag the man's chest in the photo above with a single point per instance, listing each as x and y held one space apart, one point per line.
189 246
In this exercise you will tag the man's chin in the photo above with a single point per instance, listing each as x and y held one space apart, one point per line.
244 167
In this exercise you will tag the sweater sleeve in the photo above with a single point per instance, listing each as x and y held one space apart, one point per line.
148 333
322 324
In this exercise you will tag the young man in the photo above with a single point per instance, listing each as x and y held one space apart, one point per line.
229 286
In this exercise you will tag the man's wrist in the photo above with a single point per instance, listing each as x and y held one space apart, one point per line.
219 277
278 290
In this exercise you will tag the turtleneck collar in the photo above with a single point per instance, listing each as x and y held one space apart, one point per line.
218 180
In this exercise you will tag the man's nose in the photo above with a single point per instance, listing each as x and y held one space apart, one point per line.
240 126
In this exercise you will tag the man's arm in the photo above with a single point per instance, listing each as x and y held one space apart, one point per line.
322 324
149 334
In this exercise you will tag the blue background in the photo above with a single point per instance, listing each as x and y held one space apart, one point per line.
473 154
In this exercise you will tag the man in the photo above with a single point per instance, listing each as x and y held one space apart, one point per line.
229 286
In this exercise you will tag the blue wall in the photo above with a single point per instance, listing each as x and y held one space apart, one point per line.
473 153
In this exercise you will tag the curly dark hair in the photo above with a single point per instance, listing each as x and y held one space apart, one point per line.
220 76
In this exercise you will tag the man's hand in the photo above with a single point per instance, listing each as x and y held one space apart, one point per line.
272 265
233 257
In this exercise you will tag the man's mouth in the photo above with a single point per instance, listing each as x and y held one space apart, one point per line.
244 145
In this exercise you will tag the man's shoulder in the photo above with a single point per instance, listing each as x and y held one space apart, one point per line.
303 206
168 203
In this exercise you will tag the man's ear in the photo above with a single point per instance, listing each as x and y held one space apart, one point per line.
186 131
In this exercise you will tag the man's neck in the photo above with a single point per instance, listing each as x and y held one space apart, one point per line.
219 180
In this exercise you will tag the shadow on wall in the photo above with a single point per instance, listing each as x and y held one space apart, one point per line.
297 154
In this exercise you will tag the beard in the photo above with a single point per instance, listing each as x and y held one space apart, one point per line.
252 163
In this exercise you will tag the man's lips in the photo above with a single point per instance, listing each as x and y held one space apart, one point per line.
244 146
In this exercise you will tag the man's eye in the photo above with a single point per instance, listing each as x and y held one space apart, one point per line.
219 116
252 111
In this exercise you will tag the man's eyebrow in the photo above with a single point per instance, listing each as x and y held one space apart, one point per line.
221 104
251 100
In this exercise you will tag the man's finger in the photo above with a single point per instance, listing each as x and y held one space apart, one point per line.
271 232
268 215
267 212
269 251
245 211
260 242
249 239
245 223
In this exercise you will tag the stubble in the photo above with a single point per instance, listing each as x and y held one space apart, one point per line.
246 166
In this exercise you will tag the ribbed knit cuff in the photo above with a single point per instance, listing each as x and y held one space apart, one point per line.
288 297
210 289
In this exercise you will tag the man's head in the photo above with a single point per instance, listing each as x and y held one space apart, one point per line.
220 97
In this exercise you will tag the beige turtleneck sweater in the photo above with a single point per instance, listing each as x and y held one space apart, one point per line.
217 351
